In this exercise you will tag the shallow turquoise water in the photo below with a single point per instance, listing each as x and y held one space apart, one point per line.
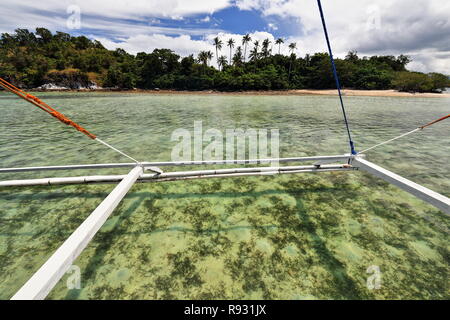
289 237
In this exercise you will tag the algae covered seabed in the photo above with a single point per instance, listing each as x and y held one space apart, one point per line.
307 236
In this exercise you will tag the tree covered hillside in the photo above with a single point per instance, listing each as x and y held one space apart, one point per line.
32 59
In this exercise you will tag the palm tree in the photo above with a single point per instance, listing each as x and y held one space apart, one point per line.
201 57
265 48
204 57
352 56
209 56
237 58
246 39
230 43
254 54
222 61
279 41
218 44
307 59
292 47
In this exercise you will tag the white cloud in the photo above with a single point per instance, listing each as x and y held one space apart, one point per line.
205 19
183 45
126 9
427 61
272 26
420 28
30 19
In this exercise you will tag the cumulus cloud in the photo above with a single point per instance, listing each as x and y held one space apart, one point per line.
204 20
272 26
184 44
125 9
123 18
420 29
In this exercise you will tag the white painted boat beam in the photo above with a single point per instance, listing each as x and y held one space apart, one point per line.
43 281
178 163
177 175
438 200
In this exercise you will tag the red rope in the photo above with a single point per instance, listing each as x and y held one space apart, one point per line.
435 121
42 105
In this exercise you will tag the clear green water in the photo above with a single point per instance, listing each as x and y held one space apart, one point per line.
285 237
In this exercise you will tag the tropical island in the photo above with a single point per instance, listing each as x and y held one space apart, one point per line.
43 60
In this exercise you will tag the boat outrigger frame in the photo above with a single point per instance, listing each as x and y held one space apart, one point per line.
42 282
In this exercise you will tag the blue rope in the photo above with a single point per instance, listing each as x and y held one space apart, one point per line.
338 85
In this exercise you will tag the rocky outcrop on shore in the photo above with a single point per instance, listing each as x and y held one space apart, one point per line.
69 79
72 86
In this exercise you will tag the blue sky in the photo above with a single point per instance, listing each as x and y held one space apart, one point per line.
372 27
234 20
230 20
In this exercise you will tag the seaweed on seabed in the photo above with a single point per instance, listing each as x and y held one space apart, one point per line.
217 292
210 244
165 286
185 270
104 292
248 268
201 217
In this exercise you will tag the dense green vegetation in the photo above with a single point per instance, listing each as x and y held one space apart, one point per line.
32 59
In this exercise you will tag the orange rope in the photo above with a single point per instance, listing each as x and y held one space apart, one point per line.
42 105
433 122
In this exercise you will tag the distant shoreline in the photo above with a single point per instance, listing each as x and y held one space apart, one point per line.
300 92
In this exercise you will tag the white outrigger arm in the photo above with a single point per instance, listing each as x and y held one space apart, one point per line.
43 281
438 200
